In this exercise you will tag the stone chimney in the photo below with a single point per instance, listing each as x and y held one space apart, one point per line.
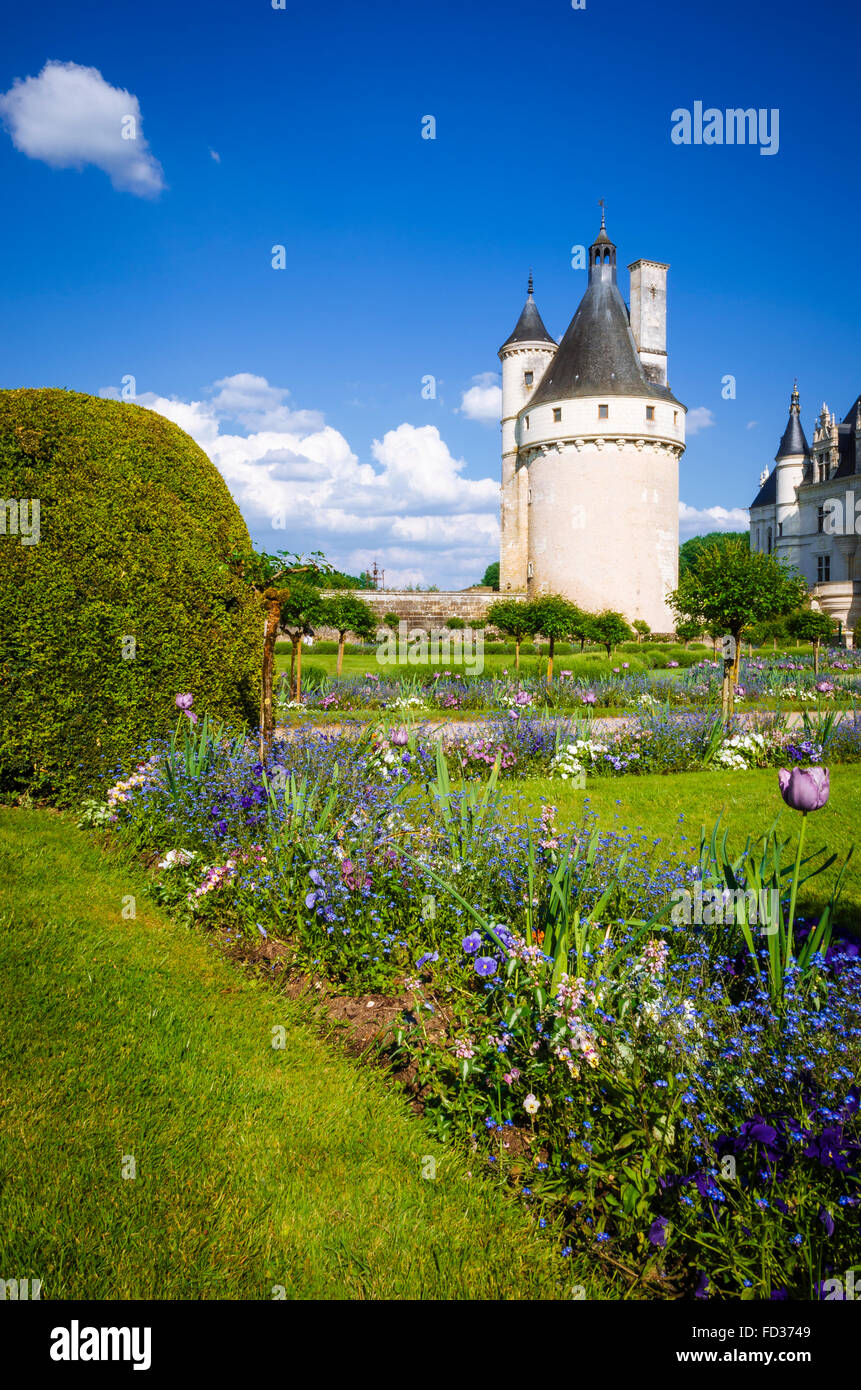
649 317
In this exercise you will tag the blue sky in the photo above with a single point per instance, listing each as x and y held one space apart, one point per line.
407 257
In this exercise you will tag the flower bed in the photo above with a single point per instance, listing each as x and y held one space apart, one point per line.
616 687
677 1098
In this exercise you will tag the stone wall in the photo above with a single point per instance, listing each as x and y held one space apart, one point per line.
423 610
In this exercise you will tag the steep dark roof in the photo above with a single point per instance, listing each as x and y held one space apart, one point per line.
793 441
767 495
849 418
846 445
597 356
529 327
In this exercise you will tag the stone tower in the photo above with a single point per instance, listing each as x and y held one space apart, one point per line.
591 441
791 461
524 358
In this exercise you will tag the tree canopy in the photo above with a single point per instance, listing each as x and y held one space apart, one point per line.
691 549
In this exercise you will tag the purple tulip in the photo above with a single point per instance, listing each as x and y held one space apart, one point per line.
825 687
184 703
588 697
805 788
399 737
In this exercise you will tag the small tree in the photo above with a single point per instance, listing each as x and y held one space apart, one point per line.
455 624
347 613
583 630
642 629
808 625
688 630
555 618
391 620
301 612
513 620
491 576
610 629
273 577
729 587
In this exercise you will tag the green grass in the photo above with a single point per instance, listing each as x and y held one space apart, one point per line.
360 664
670 810
255 1167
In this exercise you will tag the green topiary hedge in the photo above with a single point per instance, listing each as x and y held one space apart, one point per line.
135 524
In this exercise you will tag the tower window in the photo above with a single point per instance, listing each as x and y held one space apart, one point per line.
820 520
823 569
526 421
780 528
529 570
557 414
528 378
603 412
650 412
675 417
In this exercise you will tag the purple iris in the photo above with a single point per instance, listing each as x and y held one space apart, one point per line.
427 959
805 788
471 943
827 1220
658 1231
485 966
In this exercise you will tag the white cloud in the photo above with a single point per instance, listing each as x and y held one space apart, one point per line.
699 419
483 400
698 521
751 424
215 155
70 116
410 508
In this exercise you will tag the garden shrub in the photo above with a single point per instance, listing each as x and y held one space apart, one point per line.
123 602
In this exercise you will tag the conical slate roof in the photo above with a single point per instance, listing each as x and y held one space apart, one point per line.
793 441
767 495
597 356
529 327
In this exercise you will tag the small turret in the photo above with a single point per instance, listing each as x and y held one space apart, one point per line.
791 460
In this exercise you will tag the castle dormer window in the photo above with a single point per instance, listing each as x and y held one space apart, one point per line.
528 378
557 414
650 412
603 412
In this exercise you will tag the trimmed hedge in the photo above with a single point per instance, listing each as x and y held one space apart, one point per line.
136 523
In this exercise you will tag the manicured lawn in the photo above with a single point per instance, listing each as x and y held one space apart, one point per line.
255 1167
669 810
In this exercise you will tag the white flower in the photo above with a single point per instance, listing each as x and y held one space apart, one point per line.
531 1104
176 857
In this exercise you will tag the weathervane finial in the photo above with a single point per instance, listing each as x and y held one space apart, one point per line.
529 282
601 206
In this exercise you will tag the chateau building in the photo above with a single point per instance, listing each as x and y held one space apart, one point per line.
591 441
808 509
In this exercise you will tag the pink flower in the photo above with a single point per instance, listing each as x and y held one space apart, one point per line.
184 703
